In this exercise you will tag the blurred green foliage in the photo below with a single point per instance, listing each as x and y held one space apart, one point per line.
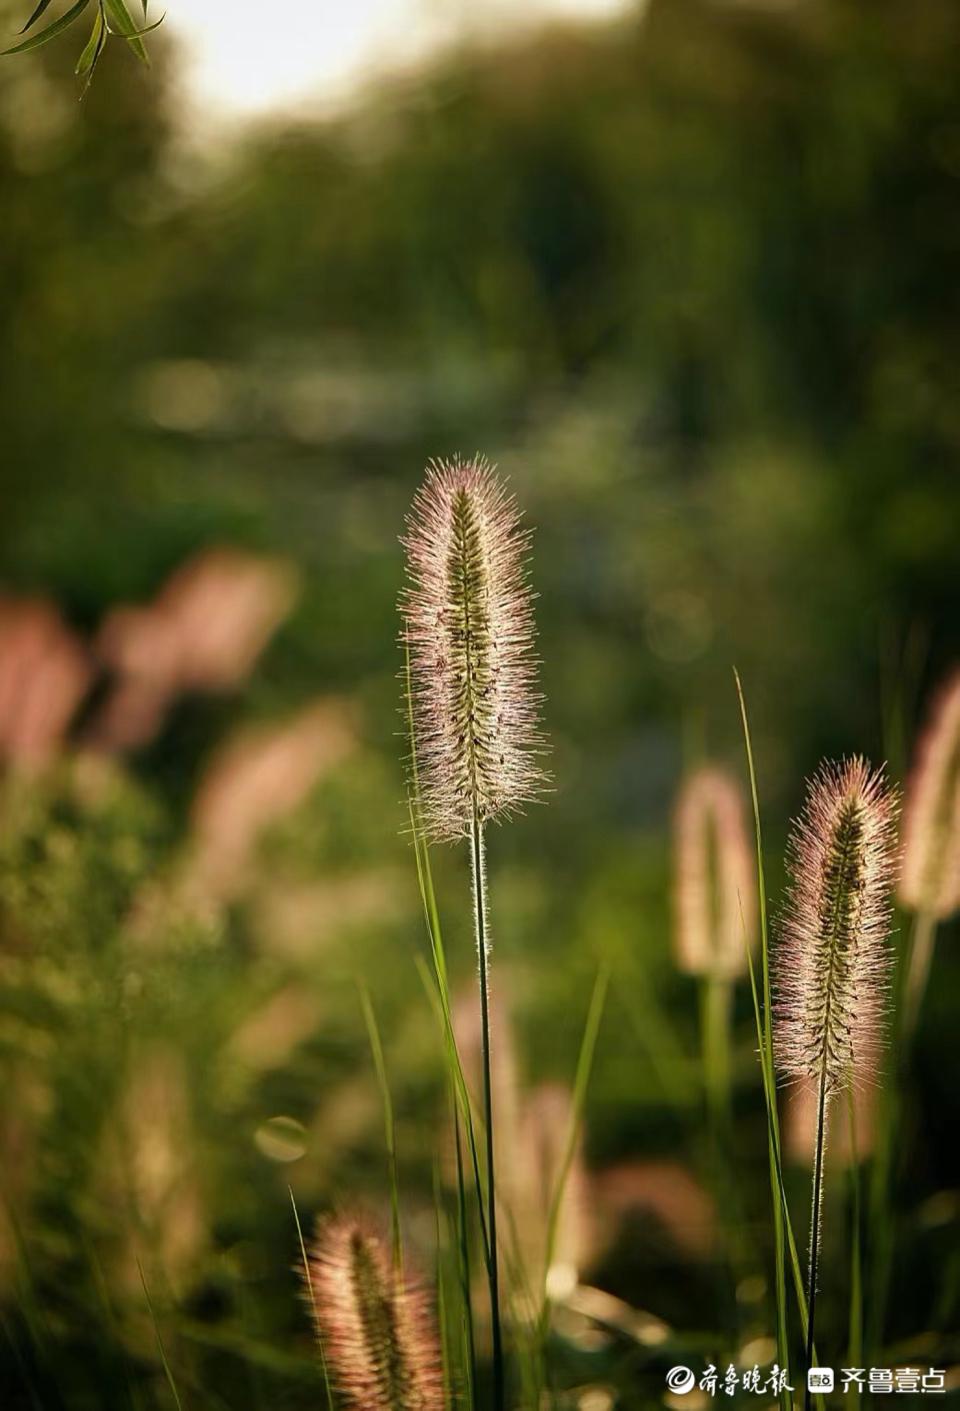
690 278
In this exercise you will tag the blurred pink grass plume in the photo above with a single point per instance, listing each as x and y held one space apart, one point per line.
202 633
715 895
930 864
45 673
375 1325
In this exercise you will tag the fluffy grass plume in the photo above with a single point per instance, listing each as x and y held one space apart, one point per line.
475 710
468 619
376 1328
715 893
832 965
930 867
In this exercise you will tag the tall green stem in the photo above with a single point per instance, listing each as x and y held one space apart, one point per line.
855 1352
716 1005
815 1221
478 869
780 1213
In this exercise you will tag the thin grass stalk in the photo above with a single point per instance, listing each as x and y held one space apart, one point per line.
816 1224
446 1362
478 875
654 1032
461 1093
104 1300
584 1068
376 1049
766 1049
463 1246
431 913
308 1281
855 1347
716 1005
168 1371
883 1214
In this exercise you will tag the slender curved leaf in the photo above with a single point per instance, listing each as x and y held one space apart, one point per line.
36 15
51 31
122 24
93 48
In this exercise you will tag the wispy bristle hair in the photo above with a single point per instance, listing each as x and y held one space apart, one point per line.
832 963
715 899
376 1329
930 866
468 625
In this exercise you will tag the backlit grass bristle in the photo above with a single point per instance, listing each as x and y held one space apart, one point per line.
468 624
930 867
832 964
715 905
375 1327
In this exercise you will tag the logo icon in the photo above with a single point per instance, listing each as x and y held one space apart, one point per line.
680 1379
820 1379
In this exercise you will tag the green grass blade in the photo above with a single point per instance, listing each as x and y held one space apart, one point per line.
51 31
765 1036
93 48
37 14
308 1278
461 1092
162 1350
440 990
653 1029
376 1048
124 25
463 1257
443 1310
588 1046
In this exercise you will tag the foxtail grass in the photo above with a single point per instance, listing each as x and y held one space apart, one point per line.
833 959
930 860
715 916
376 1325
468 629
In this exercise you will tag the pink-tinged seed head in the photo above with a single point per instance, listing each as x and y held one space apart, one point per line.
375 1327
715 893
832 962
469 630
930 862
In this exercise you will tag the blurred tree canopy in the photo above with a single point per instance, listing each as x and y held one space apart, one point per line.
712 247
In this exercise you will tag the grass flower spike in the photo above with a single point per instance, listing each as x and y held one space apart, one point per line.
833 962
930 869
468 630
376 1329
714 884
832 966
715 914
468 616
930 863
